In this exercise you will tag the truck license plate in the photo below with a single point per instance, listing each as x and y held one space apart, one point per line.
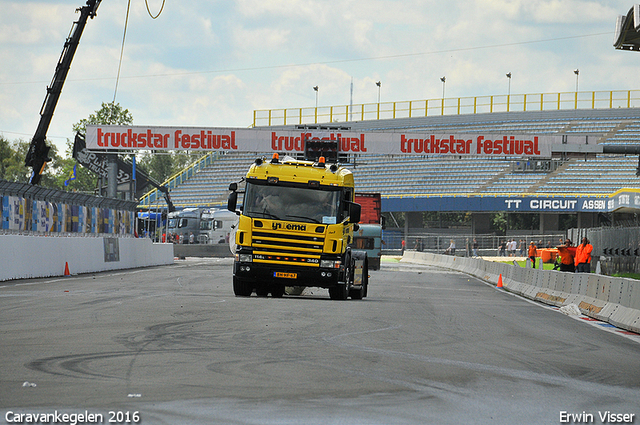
285 275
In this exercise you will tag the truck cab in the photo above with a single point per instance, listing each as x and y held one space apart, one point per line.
183 223
369 238
295 226
216 226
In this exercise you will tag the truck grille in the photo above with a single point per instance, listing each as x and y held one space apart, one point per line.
279 248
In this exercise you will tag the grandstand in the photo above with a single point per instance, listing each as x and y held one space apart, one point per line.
453 176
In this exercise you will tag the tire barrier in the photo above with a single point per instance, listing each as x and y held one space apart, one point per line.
610 299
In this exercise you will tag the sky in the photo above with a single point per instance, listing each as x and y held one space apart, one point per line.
211 63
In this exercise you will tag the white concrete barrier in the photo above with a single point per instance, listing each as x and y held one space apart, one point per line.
23 256
610 299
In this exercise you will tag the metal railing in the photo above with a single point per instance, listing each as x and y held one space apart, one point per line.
153 196
488 245
449 106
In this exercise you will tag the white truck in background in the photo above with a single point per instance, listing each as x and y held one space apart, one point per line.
216 226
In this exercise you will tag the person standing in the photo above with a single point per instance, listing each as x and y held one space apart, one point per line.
503 249
532 254
475 247
583 256
521 247
567 256
512 248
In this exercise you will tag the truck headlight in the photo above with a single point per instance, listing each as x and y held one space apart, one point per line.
245 258
330 264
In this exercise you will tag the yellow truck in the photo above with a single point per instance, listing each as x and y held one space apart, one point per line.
296 222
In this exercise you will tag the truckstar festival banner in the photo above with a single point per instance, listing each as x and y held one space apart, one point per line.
127 138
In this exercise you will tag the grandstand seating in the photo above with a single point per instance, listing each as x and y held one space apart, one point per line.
453 175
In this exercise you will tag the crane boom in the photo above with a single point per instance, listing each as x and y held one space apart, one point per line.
38 154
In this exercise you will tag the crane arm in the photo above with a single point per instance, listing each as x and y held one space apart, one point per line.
38 154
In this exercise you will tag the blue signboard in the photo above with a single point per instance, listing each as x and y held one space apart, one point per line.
625 198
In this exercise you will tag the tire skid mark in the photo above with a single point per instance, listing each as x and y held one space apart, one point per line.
541 378
156 339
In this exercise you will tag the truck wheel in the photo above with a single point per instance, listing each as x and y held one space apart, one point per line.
339 292
262 291
357 294
277 291
242 288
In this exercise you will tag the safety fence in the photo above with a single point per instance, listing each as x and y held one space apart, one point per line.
610 299
618 248
449 106
488 244
29 209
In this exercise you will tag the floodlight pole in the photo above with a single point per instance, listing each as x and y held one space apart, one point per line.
509 91
316 90
443 79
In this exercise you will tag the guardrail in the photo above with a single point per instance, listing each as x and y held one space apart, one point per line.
449 106
614 300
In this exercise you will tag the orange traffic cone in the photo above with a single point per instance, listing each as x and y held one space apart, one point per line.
500 281
66 269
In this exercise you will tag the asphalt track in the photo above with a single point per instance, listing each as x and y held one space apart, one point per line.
428 346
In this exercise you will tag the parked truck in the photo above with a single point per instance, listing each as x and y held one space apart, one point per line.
296 224
184 223
369 235
216 226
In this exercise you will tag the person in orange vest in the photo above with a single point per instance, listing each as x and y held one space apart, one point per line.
583 256
532 253
567 255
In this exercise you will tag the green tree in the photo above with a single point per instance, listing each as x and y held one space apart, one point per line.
108 114
85 180
6 158
157 166
12 168
499 222
161 166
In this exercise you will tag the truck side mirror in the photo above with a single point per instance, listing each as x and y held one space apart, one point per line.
233 187
354 212
232 201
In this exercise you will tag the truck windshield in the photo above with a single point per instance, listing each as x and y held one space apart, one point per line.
292 203
206 225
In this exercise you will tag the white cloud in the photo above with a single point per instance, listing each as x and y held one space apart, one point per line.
207 62
547 11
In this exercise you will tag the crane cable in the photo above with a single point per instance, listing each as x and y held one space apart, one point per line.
149 11
124 35
126 22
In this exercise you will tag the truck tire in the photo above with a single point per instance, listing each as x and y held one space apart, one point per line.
277 291
356 294
339 292
262 291
242 288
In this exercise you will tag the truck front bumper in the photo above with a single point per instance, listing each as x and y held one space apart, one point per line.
287 275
